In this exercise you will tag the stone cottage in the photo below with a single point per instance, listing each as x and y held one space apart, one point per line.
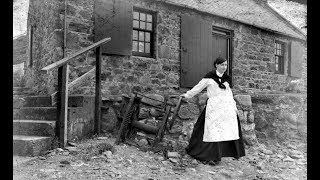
166 46
163 46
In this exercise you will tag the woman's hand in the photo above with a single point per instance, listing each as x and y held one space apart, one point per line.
183 95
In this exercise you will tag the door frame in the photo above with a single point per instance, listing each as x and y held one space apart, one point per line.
227 34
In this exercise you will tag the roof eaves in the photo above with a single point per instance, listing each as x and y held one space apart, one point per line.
283 19
233 19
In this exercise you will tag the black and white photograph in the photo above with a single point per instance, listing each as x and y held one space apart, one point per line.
159 90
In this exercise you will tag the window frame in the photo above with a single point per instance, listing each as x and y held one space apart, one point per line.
279 65
152 32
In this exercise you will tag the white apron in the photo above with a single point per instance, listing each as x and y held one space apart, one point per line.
221 111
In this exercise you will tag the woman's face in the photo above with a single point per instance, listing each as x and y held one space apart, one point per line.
221 68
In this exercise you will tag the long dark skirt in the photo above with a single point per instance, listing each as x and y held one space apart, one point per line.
206 151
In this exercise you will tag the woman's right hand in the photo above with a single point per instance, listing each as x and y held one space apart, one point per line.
183 95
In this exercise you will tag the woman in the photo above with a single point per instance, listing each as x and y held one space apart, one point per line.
217 132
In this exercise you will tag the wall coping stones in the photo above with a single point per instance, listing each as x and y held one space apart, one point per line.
272 98
244 101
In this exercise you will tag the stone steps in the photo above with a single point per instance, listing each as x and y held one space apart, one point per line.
34 123
34 128
22 91
44 101
31 113
31 101
31 145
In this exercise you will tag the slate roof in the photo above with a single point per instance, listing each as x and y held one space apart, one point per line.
245 11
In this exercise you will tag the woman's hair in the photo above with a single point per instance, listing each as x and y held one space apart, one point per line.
219 60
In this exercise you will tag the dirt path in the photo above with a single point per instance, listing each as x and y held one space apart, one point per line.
98 158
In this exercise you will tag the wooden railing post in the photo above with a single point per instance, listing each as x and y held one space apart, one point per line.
97 124
62 93
62 105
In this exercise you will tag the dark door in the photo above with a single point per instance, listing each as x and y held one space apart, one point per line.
196 45
201 45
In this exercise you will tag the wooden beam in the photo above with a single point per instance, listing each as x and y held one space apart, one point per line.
78 82
74 84
98 92
145 127
175 113
30 58
67 59
62 105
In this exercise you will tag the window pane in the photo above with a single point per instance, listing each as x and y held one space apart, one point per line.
277 67
149 18
141 36
135 24
135 35
135 15
134 45
149 26
147 37
147 47
141 47
142 16
142 25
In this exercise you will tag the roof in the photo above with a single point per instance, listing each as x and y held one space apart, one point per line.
249 12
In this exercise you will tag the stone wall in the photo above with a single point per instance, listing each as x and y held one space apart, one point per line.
80 118
187 116
122 74
43 15
280 117
263 118
246 115
253 60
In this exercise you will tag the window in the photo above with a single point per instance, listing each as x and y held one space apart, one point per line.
142 33
279 57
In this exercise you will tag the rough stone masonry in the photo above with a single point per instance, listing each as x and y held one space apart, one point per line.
253 62
253 51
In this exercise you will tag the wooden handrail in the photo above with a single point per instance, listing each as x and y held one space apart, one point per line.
67 59
61 96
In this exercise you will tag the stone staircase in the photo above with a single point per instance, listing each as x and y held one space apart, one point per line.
34 121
